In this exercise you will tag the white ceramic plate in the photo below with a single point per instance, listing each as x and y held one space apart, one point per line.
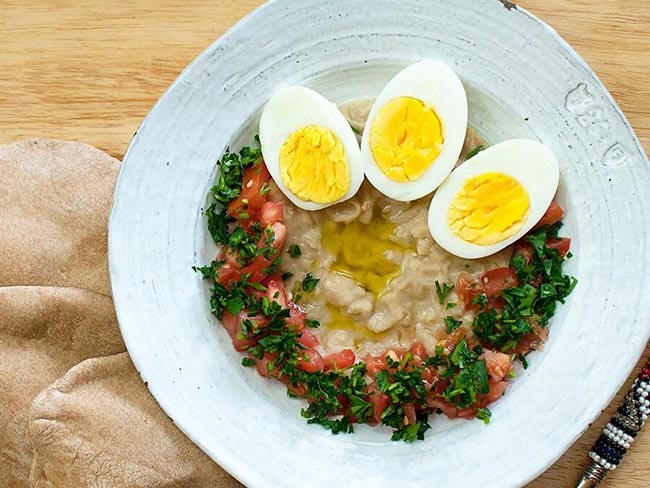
522 81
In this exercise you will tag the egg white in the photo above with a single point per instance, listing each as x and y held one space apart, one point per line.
530 162
439 87
293 108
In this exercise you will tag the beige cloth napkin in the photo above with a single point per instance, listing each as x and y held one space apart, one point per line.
75 413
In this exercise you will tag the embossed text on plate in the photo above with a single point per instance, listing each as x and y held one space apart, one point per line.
591 114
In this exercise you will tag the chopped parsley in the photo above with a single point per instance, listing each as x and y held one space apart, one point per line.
210 272
475 151
231 173
484 414
312 323
325 399
309 283
467 377
524 361
481 300
402 384
542 284
275 265
294 251
442 291
234 305
218 221
265 188
452 324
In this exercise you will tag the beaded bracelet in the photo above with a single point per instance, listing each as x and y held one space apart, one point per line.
620 432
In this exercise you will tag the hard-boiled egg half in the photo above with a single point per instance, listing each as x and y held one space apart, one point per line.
415 131
310 149
494 198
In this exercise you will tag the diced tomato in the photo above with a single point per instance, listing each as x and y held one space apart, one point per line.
496 303
275 292
497 390
472 342
466 289
344 408
259 320
232 324
307 339
265 366
227 275
419 353
379 402
250 199
446 408
256 269
525 249
533 341
374 364
525 344
491 282
340 360
226 254
494 281
449 343
310 360
450 410
279 236
275 276
395 353
562 245
467 413
553 214
378 363
280 232
410 416
498 364
257 294
430 376
271 212
297 316
440 386
230 321
298 389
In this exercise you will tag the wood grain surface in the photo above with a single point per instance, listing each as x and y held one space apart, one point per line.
90 71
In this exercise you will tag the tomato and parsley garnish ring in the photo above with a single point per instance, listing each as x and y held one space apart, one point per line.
399 388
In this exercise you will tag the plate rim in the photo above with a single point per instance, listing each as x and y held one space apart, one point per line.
234 466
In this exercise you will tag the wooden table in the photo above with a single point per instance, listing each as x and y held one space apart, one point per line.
90 71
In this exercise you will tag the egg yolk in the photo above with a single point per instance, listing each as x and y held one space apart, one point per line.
314 166
405 138
490 208
360 251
